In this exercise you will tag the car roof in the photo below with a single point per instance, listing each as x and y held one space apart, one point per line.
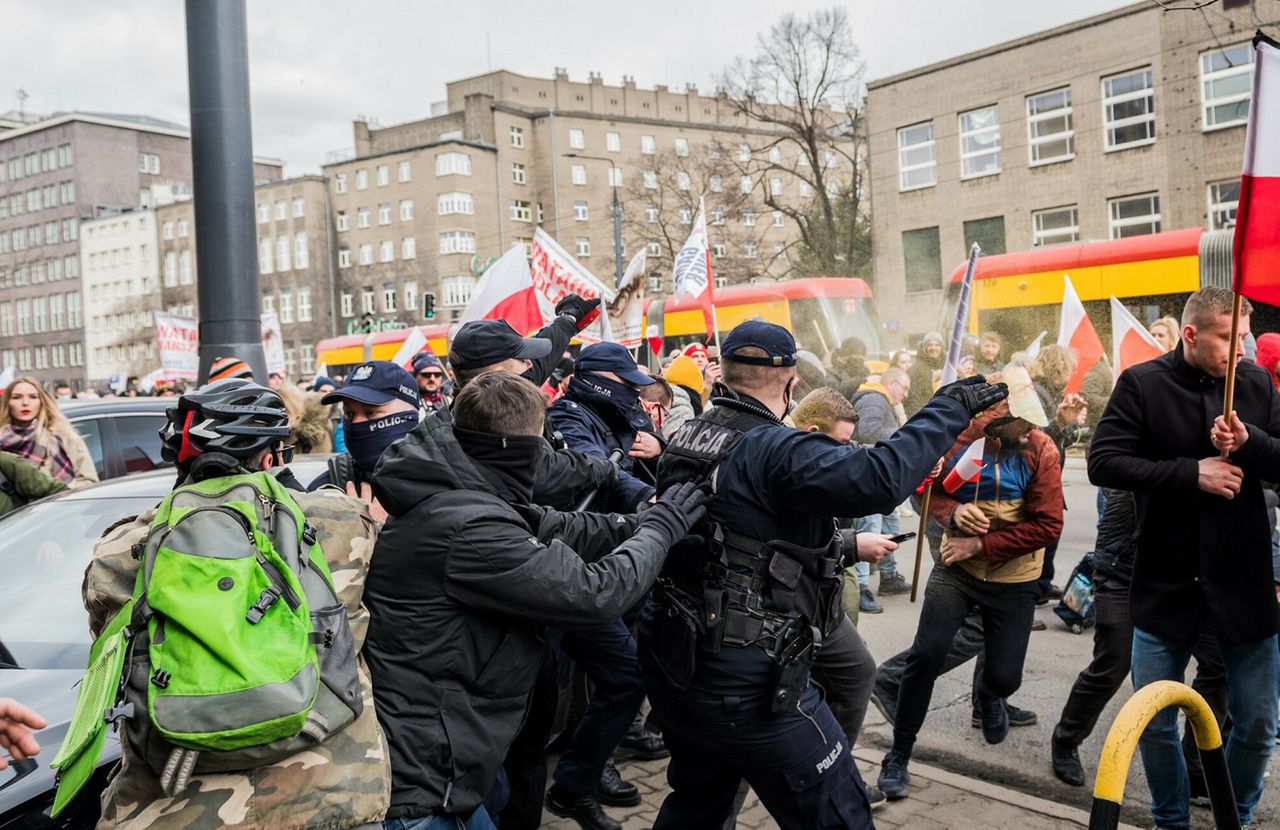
159 482
114 406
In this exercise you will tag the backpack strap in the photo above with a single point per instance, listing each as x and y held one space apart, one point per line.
341 470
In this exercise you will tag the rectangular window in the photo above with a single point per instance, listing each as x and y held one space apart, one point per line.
579 210
268 303
58 312
367 301
922 257
384 213
282 209
744 184
517 173
362 217
1226 82
1134 215
578 174
70 230
40 314
340 183
408 248
682 147
1051 127
171 269
651 214
806 189
458 242
264 213
682 180
1129 109
362 179
300 256
775 186
653 249
24 316
410 295
778 219
184 267
449 203
389 297
286 307
343 221
615 177
1223 199
386 251
686 216
717 215
366 253
988 233
184 228
299 206
577 140
517 136
718 249
348 302
304 304
749 218
68 193
613 142
716 184
521 211
282 253
744 152
450 164
457 290
384 175
749 250
980 142
917 165
406 210
66 155
344 257
582 245
404 171
1055 226
648 146
650 180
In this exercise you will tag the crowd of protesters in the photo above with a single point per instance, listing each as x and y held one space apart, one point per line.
519 505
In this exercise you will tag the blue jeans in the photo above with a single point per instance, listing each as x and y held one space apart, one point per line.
888 523
479 820
1253 672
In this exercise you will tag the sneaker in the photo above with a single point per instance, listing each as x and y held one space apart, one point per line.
1038 624
876 797
1066 764
1053 594
885 700
615 792
891 584
1017 717
641 745
995 719
894 776
867 602
584 809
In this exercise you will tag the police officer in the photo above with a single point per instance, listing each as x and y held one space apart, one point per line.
738 618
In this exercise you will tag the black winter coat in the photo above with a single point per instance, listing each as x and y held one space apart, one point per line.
1202 560
459 587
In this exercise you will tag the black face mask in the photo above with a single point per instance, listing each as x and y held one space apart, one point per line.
508 462
368 440
604 395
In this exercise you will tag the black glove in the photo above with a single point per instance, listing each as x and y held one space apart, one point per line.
678 509
974 393
581 311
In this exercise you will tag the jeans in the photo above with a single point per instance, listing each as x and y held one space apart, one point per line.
478 820
888 523
1253 671
846 670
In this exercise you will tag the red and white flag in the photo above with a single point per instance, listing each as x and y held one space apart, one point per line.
556 273
968 469
655 339
1131 343
691 273
1076 332
414 342
1256 247
505 292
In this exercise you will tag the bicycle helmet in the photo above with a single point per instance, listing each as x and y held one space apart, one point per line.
234 416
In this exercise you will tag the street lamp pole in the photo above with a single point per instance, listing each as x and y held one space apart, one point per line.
617 214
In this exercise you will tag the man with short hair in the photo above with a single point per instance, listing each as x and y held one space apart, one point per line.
429 373
988 358
1203 562
876 405
929 359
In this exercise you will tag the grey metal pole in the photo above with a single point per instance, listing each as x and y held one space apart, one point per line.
222 180
617 230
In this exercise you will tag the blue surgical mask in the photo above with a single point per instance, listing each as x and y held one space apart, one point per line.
368 440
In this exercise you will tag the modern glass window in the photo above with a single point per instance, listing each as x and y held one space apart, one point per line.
1224 197
1134 215
406 210
580 210
648 145
1129 109
578 174
613 142
518 173
522 211
1050 127
577 139
455 202
582 246
449 164
1055 226
517 136
980 142
922 257
458 242
917 164
1226 82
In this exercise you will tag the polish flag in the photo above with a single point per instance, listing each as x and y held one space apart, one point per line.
968 469
691 273
655 339
1076 332
505 292
1256 247
1131 343
414 342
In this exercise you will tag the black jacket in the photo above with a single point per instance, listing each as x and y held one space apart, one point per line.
1201 559
459 586
1117 537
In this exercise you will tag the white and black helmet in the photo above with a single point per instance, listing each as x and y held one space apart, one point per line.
234 416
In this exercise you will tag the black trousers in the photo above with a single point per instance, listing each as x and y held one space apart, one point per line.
526 762
847 671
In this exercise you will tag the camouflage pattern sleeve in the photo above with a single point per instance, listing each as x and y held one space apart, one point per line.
109 579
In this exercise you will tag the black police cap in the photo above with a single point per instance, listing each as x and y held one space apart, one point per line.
775 341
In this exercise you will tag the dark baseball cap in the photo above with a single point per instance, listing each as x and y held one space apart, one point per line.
376 383
776 342
611 357
483 343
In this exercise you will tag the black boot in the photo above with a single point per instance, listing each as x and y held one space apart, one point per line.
641 745
615 792
1066 764
995 719
584 809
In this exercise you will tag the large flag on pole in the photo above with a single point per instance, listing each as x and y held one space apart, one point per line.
1076 332
951 367
1256 247
691 273
414 342
968 469
1131 343
505 292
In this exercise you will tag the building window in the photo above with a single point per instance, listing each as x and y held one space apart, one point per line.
522 211
389 297
406 210
917 166
1223 199
456 202
66 155
716 184
1129 109
682 180
340 183
282 253
717 215
366 253
70 230
362 217
778 219
450 164
411 295
653 249
579 210
367 301
404 171
408 248
806 189
286 307
1226 82
184 228
517 136
744 184
517 173
456 291
300 256
384 175
299 206
362 179
615 177
578 174
980 142
988 233
282 209
1134 215
577 140
582 245
304 305
343 221
749 218
458 242
264 213
1050 127
344 257
686 216
650 180
682 147
775 186
1055 226
386 251
749 250
348 301
922 257
171 269
184 267
651 214
718 249
613 142
648 145
147 163
166 231
384 213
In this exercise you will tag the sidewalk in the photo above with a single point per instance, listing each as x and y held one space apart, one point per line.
939 800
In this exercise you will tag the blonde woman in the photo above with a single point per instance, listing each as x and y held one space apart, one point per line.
33 428
1167 332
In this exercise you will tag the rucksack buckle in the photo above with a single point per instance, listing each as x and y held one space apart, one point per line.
258 610
161 679
118 713
308 534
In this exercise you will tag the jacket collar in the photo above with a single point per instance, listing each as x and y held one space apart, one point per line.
1188 373
743 403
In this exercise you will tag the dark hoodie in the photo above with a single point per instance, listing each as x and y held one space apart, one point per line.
461 583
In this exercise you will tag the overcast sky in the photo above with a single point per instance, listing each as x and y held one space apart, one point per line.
316 64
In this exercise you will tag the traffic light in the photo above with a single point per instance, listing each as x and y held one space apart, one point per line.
429 305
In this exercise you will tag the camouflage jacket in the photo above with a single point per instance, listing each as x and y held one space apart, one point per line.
342 783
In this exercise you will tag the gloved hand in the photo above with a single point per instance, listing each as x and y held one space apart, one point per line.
582 312
974 393
679 509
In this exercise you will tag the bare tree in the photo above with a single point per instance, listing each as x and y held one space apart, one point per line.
801 89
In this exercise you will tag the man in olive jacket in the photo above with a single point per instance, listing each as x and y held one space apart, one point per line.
1203 561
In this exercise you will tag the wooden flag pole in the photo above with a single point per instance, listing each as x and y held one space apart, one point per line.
1229 394
924 520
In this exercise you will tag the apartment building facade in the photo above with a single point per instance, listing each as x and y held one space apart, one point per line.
295 264
1125 123
119 267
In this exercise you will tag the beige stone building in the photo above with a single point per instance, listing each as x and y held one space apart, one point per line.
1125 123
425 206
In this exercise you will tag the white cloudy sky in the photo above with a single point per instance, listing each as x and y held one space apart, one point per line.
316 64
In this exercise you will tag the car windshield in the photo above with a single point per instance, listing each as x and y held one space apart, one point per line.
43 623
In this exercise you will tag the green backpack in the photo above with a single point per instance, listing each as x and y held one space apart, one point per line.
234 651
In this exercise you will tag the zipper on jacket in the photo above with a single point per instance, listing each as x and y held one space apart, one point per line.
279 590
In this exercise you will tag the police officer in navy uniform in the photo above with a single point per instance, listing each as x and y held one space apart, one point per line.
743 606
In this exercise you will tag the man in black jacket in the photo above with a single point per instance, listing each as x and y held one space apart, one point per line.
1204 550
466 572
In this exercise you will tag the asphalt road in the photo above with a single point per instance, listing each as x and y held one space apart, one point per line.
1054 658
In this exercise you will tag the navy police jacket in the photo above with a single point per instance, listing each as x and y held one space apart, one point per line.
586 432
